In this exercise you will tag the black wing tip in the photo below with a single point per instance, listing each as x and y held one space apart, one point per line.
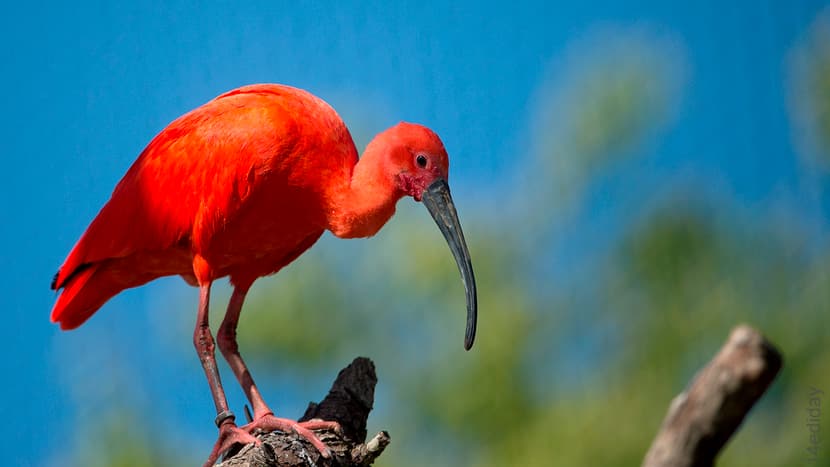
55 285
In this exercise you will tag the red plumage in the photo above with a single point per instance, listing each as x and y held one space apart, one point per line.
240 187
219 182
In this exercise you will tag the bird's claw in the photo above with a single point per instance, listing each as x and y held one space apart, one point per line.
319 424
229 434
269 422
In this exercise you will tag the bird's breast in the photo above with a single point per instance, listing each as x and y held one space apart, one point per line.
266 232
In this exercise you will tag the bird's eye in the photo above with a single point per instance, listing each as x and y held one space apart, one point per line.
421 160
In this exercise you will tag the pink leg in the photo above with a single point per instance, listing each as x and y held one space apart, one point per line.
229 433
264 418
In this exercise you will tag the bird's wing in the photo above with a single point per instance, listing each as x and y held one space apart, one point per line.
190 179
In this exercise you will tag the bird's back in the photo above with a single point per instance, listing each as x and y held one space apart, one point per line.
242 181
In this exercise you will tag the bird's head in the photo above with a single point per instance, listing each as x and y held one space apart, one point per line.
415 157
417 163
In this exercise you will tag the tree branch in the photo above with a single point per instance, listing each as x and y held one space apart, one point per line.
348 402
703 418
698 424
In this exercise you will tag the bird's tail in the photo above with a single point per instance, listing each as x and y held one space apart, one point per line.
84 292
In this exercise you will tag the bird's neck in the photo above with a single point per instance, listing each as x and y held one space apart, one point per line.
368 200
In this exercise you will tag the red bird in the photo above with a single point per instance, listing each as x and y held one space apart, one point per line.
241 187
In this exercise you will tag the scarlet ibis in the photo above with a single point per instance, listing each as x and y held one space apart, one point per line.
241 187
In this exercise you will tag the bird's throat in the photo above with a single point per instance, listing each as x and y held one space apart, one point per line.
367 202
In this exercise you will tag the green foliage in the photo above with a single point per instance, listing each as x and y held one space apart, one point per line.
810 93
616 90
115 442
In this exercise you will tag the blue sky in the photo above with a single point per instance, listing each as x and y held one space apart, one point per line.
86 85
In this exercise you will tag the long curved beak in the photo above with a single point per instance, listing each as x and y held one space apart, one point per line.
438 201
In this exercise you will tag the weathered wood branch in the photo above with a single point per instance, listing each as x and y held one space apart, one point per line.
698 424
348 402
703 418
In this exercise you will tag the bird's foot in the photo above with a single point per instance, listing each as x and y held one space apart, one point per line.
268 422
229 434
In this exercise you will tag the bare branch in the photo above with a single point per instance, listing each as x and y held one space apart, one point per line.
348 402
703 418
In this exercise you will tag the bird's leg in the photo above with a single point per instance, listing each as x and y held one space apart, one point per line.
229 433
230 350
264 418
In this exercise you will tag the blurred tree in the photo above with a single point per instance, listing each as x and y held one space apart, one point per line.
115 442
809 84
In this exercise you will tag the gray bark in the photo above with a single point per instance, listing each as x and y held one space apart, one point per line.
698 424
348 402
702 419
